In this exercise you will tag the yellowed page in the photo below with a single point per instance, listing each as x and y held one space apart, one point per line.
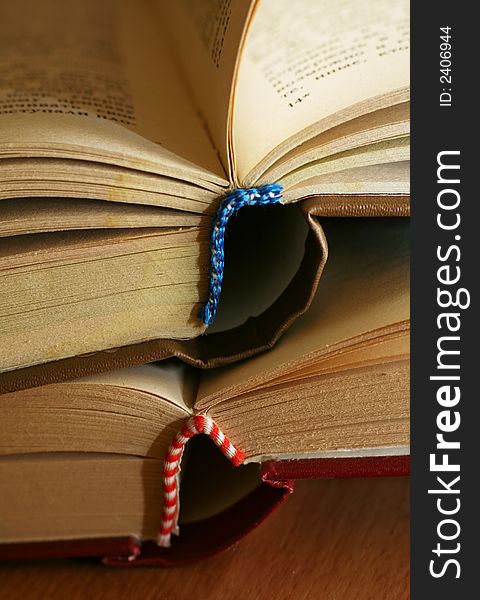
31 215
53 177
364 289
390 348
307 61
94 290
171 380
129 411
78 417
387 124
208 36
79 495
355 410
97 77
381 180
381 153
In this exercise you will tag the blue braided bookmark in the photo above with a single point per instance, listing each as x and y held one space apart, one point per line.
234 201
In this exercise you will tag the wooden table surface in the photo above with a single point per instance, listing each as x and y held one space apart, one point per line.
332 540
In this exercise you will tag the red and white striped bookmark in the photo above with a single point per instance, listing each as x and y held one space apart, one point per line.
171 469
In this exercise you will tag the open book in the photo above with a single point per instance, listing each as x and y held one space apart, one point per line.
123 125
84 459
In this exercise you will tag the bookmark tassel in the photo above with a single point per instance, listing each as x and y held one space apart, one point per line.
171 469
234 201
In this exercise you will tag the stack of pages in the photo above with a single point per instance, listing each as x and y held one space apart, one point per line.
123 127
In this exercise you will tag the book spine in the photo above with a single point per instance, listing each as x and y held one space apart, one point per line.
206 538
232 203
171 484
335 468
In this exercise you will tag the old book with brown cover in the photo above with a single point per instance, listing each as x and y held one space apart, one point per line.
119 138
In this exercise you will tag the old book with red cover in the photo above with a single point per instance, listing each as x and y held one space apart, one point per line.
207 537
